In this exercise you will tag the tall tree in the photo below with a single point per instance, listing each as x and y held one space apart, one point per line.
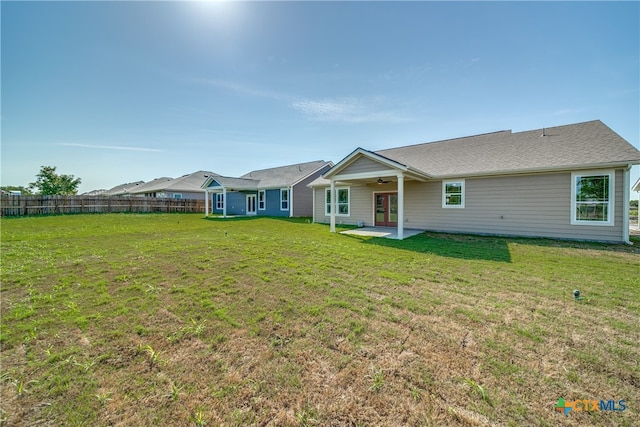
49 183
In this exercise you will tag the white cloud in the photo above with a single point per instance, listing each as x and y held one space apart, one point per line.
348 110
112 147
245 89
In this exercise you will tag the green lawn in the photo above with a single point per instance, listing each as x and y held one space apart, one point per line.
179 320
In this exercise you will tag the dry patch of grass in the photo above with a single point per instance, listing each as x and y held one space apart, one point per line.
177 320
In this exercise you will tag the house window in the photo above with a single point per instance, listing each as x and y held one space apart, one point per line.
262 200
219 201
592 198
284 199
453 194
177 195
342 201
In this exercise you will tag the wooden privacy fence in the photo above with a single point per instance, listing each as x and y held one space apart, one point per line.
57 205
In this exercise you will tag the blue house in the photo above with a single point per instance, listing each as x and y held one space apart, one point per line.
280 191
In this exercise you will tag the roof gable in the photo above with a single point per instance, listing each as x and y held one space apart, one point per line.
367 159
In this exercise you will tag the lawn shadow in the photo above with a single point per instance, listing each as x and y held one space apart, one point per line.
488 248
232 218
449 245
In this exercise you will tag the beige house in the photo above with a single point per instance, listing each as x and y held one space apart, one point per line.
568 182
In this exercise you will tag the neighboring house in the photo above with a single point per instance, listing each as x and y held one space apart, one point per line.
185 187
280 191
122 189
99 192
569 182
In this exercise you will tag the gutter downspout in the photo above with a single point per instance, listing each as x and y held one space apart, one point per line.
224 202
625 205
291 201
313 205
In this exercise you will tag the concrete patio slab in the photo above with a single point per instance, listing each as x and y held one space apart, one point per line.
386 232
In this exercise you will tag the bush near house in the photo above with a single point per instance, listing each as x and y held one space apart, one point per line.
172 319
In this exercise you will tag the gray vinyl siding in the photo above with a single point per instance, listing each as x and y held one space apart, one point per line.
303 195
360 206
528 205
532 205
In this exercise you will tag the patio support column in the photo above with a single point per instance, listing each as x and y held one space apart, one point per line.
206 203
332 204
625 205
224 202
400 206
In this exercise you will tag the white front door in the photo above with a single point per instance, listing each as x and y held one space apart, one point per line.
251 204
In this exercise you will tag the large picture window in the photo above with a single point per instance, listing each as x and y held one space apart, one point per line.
453 194
342 201
592 198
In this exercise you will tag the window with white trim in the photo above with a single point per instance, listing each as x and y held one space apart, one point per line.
342 201
177 195
592 198
284 199
453 194
219 201
262 200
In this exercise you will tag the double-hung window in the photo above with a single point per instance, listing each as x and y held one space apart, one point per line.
342 201
592 198
262 200
284 199
453 194
219 201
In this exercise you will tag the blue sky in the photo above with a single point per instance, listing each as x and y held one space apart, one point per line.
115 92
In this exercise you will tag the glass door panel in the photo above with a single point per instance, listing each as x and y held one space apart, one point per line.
393 209
381 209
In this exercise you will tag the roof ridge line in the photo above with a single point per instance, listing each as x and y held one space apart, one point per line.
446 140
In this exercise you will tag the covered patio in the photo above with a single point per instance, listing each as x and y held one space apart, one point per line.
365 168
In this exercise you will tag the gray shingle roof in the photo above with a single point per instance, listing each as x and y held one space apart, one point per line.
589 144
187 183
284 176
237 183
122 188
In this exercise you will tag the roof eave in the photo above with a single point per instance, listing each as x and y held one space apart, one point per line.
588 166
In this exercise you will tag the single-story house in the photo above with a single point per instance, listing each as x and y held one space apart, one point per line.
279 191
567 182
185 187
